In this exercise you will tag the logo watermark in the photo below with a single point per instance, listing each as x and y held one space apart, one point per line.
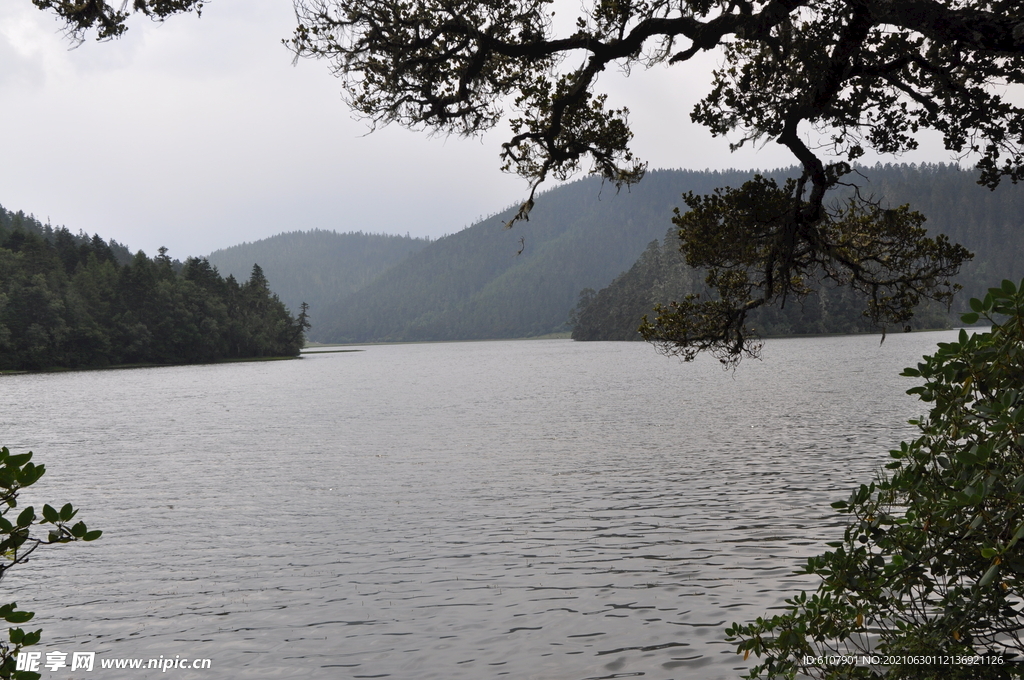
86 661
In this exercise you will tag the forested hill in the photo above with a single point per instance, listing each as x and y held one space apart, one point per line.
60 237
491 282
317 267
74 302
991 224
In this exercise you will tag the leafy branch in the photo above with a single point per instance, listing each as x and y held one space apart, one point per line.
931 562
17 543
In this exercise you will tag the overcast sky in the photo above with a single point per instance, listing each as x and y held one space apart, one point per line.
199 133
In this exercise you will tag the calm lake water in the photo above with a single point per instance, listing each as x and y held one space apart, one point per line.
541 510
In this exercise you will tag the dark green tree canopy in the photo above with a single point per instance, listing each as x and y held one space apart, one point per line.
75 302
861 73
83 16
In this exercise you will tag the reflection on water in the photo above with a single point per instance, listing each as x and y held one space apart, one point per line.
542 509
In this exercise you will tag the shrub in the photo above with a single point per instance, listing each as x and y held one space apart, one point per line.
930 567
17 542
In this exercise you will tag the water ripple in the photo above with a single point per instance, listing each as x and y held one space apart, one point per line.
541 510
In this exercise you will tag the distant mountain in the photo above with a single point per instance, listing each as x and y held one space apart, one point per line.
491 282
989 223
318 267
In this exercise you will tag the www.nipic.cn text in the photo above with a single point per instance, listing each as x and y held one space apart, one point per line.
86 661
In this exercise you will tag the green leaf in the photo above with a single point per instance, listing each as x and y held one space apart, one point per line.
976 305
18 617
989 575
993 295
26 517
30 474
50 514
67 512
92 535
79 530
1008 287
966 456
19 460
970 317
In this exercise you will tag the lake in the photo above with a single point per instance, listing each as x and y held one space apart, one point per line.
538 509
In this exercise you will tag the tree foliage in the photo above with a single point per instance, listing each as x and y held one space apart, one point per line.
739 236
987 222
860 73
84 16
931 563
17 543
66 301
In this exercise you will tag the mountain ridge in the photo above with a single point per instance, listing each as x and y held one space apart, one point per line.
489 282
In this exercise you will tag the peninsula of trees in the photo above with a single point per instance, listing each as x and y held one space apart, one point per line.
73 301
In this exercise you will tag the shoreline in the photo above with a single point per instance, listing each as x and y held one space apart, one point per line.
118 367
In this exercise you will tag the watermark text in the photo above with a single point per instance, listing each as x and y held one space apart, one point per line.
86 661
